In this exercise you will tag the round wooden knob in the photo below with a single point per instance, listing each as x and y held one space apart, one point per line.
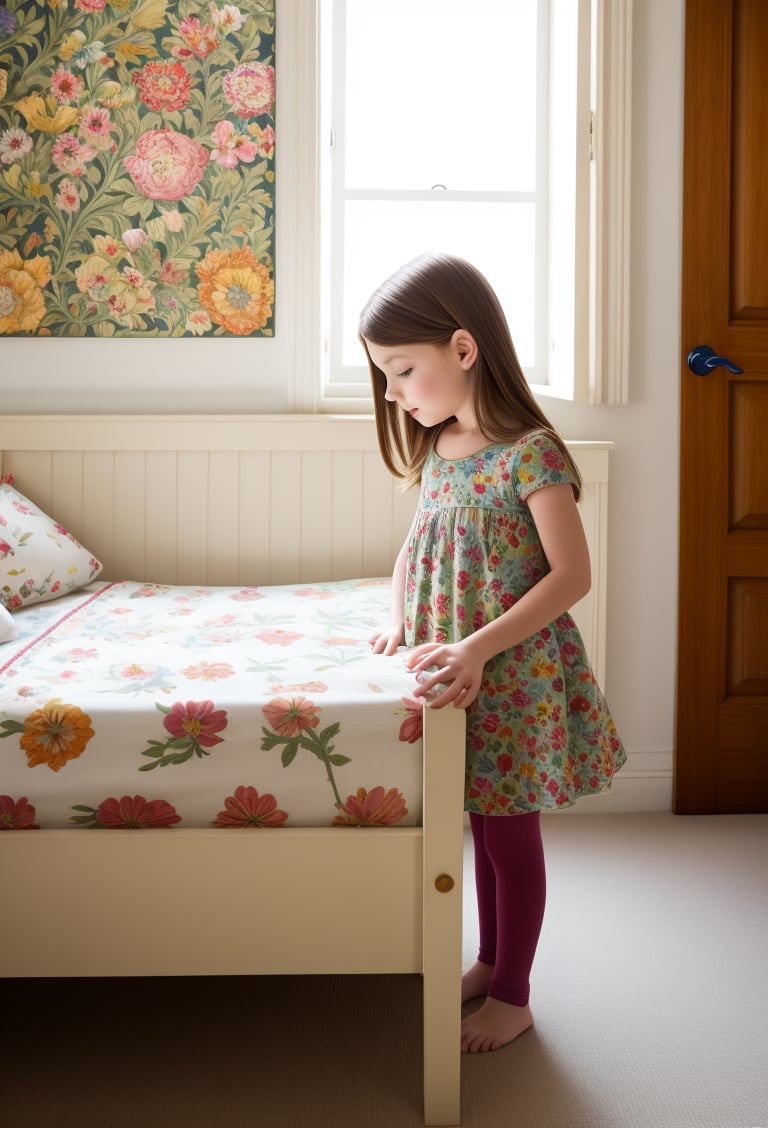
444 883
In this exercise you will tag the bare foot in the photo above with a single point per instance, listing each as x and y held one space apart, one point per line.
475 982
493 1026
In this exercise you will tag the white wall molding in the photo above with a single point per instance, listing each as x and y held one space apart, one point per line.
610 198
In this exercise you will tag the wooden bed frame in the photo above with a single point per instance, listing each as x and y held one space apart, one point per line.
221 500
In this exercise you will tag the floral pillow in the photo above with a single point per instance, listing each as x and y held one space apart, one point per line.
39 559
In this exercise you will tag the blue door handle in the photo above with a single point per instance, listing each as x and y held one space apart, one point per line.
703 359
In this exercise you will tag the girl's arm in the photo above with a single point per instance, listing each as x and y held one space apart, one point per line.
387 641
560 530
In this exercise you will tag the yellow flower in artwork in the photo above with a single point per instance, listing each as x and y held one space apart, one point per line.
55 734
22 305
36 188
3 83
236 290
71 44
150 15
36 109
13 175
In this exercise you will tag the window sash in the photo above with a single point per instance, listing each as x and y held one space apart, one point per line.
344 381
600 329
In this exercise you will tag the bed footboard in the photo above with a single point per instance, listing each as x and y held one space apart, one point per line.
289 901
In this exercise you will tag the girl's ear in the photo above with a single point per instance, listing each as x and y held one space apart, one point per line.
465 346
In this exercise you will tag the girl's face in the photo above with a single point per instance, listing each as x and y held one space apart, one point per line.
429 382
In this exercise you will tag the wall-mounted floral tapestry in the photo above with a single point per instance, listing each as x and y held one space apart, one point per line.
136 168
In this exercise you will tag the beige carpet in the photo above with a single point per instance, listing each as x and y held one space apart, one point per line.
650 993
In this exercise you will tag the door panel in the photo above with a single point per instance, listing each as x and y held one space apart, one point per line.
721 740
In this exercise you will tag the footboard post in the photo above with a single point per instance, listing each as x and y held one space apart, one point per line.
444 744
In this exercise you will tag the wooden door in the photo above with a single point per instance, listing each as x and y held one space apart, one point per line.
721 745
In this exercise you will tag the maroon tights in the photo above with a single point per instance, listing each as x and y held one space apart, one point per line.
511 894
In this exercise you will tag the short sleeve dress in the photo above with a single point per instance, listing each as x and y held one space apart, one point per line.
539 734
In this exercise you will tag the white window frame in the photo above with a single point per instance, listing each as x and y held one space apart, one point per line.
598 373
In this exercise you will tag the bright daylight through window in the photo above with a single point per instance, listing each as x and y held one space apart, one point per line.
499 131
438 124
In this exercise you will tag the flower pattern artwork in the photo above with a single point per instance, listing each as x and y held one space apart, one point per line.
137 150
252 708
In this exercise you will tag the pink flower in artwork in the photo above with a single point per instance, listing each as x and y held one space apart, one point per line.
246 808
166 165
90 5
136 279
200 39
232 147
70 155
265 138
174 220
229 17
67 198
135 813
250 89
5 548
14 144
171 275
163 86
65 86
372 808
288 718
17 814
198 323
96 126
198 720
134 239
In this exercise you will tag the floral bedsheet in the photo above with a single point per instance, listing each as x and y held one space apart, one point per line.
129 705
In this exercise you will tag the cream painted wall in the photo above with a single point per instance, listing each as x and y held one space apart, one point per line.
233 375
644 483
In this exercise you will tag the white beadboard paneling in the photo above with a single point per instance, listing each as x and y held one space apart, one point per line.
160 521
247 499
66 505
190 528
316 514
285 518
347 489
255 476
130 507
377 517
32 474
97 531
223 516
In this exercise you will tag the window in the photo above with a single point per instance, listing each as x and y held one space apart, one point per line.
467 128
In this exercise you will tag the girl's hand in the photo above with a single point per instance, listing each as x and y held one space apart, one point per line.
387 642
459 667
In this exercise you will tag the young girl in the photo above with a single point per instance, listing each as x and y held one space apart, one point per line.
481 590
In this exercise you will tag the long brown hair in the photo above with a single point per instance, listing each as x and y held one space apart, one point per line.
425 302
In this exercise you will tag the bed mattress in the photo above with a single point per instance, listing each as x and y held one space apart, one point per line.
130 705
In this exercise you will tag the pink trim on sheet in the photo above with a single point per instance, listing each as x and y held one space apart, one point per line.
54 626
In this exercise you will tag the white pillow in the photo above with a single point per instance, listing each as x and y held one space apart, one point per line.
39 559
8 628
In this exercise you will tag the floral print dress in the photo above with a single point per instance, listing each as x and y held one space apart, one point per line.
539 734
